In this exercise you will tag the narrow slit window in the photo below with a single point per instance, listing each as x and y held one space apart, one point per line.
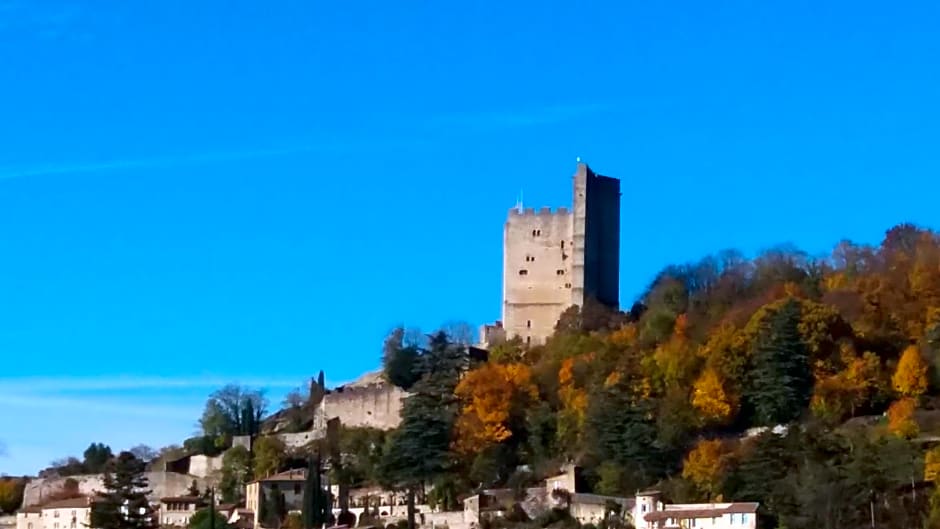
528 324
523 272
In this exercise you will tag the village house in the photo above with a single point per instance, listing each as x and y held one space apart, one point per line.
73 513
176 511
650 513
289 483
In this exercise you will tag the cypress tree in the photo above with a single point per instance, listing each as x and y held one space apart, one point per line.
315 501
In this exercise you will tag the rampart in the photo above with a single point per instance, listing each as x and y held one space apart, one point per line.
162 484
375 405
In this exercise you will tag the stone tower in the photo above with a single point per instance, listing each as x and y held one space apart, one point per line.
555 259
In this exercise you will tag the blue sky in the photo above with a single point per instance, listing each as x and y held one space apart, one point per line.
193 193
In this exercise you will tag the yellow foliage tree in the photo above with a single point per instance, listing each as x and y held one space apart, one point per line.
705 465
492 398
711 400
901 418
932 465
910 378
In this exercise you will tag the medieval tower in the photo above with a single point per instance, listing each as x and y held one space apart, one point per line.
555 259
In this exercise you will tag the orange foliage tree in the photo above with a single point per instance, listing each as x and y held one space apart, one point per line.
932 465
493 399
901 418
705 466
711 399
910 378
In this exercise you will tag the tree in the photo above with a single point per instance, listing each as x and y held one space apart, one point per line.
11 494
276 507
122 504
233 410
202 519
97 456
400 361
315 510
270 454
493 399
705 466
295 407
932 465
910 378
901 418
419 451
780 381
236 471
144 453
711 400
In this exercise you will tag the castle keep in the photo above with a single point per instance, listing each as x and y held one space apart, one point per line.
555 259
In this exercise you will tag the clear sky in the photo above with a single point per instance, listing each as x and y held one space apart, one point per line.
193 193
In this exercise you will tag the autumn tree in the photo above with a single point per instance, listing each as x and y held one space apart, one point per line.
710 398
910 378
705 466
493 400
11 494
901 418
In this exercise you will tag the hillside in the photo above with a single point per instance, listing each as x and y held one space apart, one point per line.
663 395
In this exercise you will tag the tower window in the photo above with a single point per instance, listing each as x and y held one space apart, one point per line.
567 285
559 272
528 340
528 324
536 233
523 272
562 245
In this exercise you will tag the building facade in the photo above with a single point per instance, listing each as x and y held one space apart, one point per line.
73 513
555 259
651 513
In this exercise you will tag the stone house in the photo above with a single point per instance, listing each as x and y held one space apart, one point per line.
290 483
176 511
74 513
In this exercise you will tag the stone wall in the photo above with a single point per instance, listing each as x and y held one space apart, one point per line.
162 484
301 439
376 404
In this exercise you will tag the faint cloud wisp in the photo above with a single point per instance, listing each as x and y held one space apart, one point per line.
521 117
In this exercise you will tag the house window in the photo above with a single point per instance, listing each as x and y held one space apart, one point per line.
559 272
528 340
692 522
744 518
562 245
528 324
643 509
567 285
536 233
523 272
296 488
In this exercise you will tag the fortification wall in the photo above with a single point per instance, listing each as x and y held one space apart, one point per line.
537 279
375 405
204 466
162 484
298 440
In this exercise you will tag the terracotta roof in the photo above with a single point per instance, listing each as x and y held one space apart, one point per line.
32 509
704 512
73 503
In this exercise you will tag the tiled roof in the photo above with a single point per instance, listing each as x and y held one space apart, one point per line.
705 511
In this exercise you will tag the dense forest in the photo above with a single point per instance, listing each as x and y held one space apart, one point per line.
805 384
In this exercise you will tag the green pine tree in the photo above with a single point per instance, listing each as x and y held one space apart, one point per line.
419 451
123 502
780 381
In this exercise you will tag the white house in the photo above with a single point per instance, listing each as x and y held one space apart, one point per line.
650 513
177 511
74 513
